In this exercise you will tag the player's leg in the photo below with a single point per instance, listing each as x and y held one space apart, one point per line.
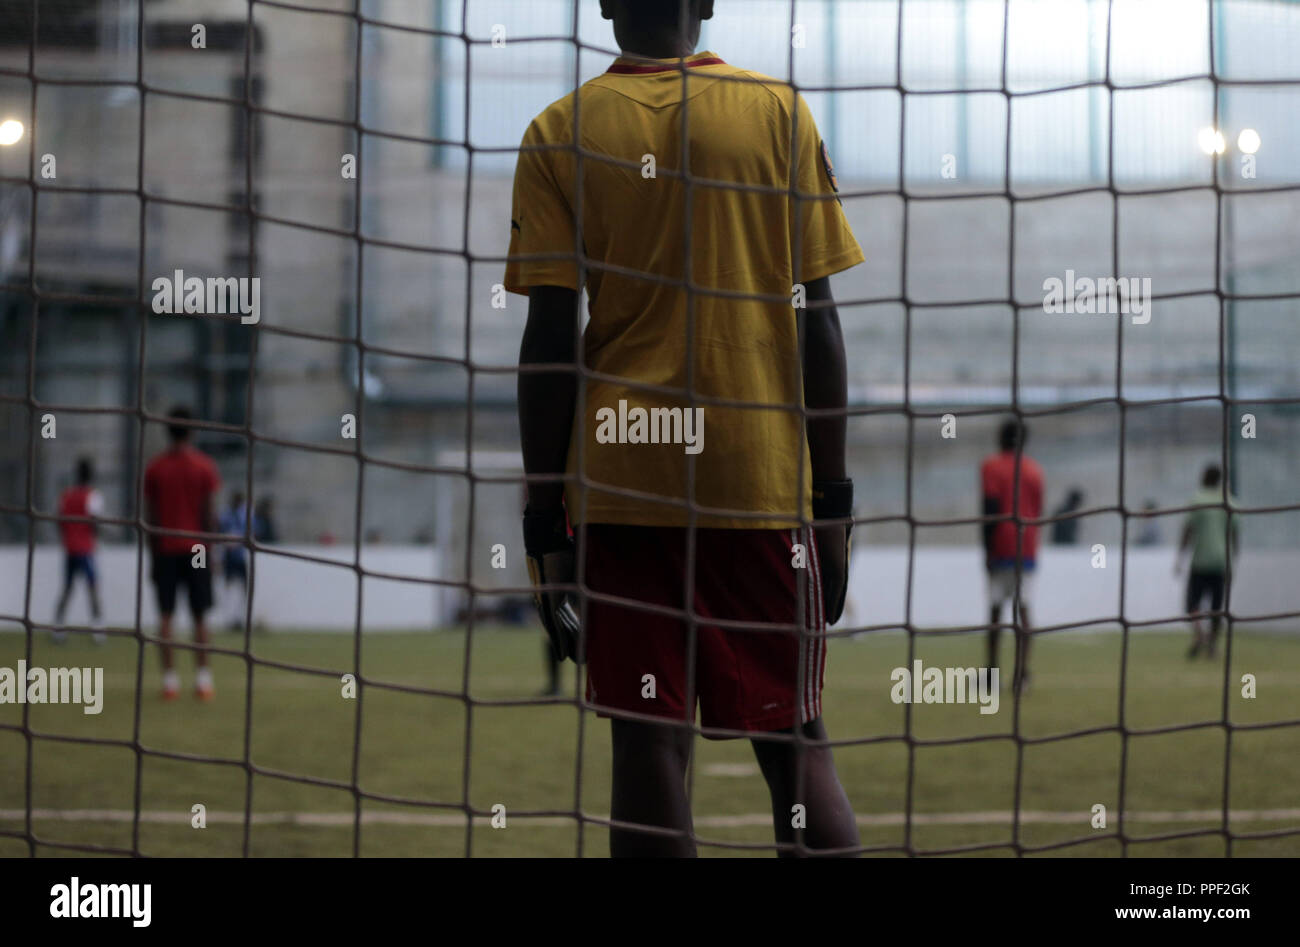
636 664
1193 602
171 680
1023 640
1198 637
767 678
1021 593
243 595
1215 582
800 774
996 597
995 617
199 594
96 615
165 576
69 574
649 789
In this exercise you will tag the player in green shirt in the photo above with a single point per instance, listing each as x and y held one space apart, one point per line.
1211 533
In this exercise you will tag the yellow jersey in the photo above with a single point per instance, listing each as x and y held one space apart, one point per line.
763 216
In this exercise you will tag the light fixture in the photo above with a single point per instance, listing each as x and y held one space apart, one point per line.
1211 141
11 131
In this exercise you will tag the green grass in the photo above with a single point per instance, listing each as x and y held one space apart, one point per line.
524 757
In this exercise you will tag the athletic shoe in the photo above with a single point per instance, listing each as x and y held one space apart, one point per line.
203 688
171 685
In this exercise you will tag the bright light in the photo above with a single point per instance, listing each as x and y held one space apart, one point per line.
11 131
1248 141
1211 141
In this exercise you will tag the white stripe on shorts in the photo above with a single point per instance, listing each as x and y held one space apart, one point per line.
817 622
796 536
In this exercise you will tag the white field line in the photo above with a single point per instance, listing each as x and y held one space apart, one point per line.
447 820
726 770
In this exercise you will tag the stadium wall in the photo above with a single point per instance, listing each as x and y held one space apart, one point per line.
959 249
947 582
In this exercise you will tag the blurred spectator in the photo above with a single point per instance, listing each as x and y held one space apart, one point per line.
1148 533
264 530
1065 532
234 559
79 537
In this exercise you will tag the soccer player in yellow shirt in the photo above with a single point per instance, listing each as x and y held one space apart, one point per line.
705 583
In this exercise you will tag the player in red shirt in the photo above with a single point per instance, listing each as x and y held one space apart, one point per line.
180 485
1011 544
81 500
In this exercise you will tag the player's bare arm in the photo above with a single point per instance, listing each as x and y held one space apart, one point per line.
547 399
825 380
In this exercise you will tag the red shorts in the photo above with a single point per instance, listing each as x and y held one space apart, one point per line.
764 676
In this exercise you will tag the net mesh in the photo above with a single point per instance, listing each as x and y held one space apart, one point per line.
245 44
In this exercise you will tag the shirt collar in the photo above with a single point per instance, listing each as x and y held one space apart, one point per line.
636 66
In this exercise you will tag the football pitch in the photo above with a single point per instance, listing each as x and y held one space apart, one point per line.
526 758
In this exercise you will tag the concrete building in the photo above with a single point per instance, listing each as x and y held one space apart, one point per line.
404 255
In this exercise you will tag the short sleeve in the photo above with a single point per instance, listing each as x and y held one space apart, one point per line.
822 238
541 220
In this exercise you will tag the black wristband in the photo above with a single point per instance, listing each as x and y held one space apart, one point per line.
832 499
545 531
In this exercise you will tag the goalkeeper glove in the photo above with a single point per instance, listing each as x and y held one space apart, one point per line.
552 560
833 500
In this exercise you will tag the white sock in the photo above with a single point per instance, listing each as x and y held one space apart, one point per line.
203 678
171 680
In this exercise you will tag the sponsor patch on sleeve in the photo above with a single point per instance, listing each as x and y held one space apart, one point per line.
830 168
